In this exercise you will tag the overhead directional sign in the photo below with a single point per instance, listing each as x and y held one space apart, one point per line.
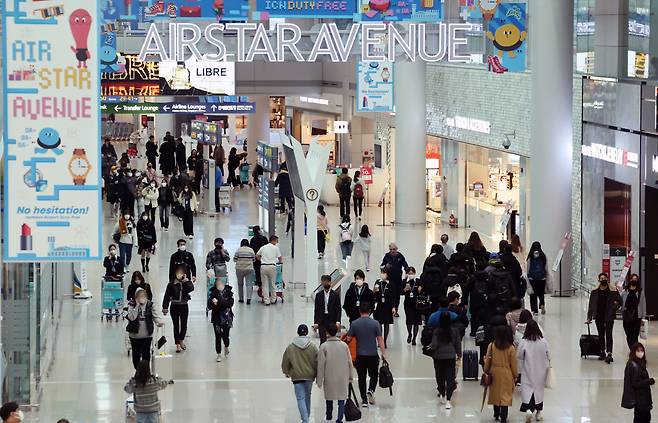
178 108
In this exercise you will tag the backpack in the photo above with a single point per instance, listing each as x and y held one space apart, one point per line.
537 270
386 377
426 336
345 187
455 287
480 286
358 190
500 281
345 235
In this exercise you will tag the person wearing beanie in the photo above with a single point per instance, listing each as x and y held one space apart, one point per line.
142 318
10 413
300 363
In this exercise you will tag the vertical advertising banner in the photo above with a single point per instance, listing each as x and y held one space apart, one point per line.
508 33
374 87
51 131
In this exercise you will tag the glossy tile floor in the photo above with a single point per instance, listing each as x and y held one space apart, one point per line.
85 384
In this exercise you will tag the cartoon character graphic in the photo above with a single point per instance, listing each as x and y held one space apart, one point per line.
508 34
386 74
110 59
80 22
379 6
48 139
218 8
488 8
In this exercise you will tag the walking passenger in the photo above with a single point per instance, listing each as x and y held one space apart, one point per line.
125 232
358 192
637 385
633 308
220 302
384 294
188 200
244 270
344 190
447 348
537 265
395 262
136 282
142 318
113 265
177 294
412 315
604 301
269 256
299 364
144 387
217 258
346 242
334 373
534 361
500 362
184 258
327 310
323 230
363 243
357 294
257 242
146 240
165 201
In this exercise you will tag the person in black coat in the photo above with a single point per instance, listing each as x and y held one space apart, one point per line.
285 188
113 265
176 297
256 243
461 260
637 385
108 149
146 240
181 156
477 299
396 264
151 151
165 201
168 154
182 258
357 294
435 269
327 308
413 318
220 303
513 266
384 293
138 281
234 160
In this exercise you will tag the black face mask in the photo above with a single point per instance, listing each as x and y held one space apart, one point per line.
604 282
218 246
327 287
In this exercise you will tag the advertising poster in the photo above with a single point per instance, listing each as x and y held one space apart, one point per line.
113 12
197 78
306 9
133 77
507 31
374 87
51 132
402 10
216 10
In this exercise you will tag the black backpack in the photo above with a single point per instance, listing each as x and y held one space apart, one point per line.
500 280
426 336
386 377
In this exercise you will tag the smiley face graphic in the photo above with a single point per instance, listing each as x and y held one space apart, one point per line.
49 139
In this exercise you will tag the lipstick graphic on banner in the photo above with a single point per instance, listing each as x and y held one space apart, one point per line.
26 237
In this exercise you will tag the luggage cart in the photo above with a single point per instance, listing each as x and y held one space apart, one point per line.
225 198
111 299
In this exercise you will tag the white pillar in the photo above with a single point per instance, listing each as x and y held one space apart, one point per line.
610 38
551 128
258 126
410 142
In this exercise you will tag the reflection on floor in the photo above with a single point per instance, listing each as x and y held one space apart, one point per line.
86 383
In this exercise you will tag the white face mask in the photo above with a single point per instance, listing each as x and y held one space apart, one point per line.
145 217
639 354
153 185
130 174
180 276
411 276
220 287
383 276
164 184
19 415
359 282
535 254
142 301
113 252
126 216
182 248
138 173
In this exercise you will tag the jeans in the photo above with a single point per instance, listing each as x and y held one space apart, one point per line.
605 335
539 287
501 411
245 282
322 241
632 330
641 416
126 253
221 334
346 248
164 216
151 212
367 365
344 206
147 417
179 314
268 275
330 410
141 350
444 371
188 222
358 206
303 394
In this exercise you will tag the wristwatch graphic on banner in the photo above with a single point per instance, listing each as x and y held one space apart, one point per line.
79 166
488 8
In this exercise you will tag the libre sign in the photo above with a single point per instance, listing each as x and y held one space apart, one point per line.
52 172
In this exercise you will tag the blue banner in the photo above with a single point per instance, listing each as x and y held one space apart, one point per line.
402 10
306 9
374 87
507 31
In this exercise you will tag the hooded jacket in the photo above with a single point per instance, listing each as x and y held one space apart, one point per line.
300 360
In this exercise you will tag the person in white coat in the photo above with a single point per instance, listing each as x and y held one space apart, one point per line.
334 373
534 360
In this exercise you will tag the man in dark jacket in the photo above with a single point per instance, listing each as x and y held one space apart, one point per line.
344 190
461 260
395 262
434 270
512 265
151 150
477 299
604 301
327 309
256 243
501 284
184 258
285 188
168 154
181 157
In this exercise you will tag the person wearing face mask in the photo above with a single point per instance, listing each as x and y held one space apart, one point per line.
412 288
184 258
604 301
113 265
10 413
151 174
137 282
395 263
177 296
113 191
181 161
357 294
327 310
537 270
165 201
637 385
124 234
140 184
151 151
127 192
187 199
142 318
217 259
146 240
150 194
633 308
220 302
384 293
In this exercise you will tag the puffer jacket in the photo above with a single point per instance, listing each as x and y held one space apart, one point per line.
637 388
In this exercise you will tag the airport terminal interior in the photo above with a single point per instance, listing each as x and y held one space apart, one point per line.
489 168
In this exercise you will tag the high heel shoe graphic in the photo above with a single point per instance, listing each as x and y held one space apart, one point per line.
494 65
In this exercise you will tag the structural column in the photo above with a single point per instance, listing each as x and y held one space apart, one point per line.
551 24
610 38
410 142
258 126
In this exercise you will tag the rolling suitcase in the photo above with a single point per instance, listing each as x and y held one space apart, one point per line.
589 344
470 365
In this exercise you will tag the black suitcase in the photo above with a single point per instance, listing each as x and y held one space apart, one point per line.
589 344
470 365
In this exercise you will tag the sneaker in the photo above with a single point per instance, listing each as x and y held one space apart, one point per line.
367 269
241 301
226 351
190 236
609 359
539 417
601 356
448 405
528 416
442 399
371 397
365 404
166 229
267 301
248 302
219 358
543 309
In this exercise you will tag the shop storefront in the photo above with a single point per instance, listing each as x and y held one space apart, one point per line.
433 183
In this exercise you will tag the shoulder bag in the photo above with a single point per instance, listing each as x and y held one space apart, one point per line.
352 411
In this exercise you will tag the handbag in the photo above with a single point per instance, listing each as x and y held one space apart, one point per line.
132 326
550 378
116 237
178 210
644 329
486 379
190 11
352 411
386 377
423 302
